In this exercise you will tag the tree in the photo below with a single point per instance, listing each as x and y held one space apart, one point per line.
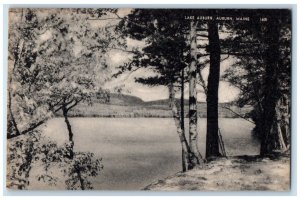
167 53
79 73
33 149
263 46
50 74
272 138
24 76
193 116
38 48
212 137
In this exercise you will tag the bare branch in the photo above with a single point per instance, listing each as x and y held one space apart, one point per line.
202 35
110 18
238 114
239 54
225 58
202 82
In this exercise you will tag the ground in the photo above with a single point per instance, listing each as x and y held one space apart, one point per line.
242 173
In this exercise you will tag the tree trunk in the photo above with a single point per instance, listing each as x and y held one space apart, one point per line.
10 91
81 181
193 134
279 140
286 121
272 135
212 139
180 131
185 149
71 142
182 101
12 124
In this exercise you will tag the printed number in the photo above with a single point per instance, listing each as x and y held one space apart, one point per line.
264 19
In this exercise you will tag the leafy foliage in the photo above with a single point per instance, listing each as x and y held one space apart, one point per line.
29 151
81 168
55 61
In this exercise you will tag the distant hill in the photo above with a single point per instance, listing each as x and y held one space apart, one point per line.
125 100
121 105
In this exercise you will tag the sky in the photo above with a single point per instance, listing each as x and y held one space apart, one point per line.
127 82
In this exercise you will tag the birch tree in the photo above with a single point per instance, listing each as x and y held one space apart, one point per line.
165 34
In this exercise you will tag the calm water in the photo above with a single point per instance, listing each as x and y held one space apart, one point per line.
138 151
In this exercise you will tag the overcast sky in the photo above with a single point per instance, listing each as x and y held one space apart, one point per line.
127 82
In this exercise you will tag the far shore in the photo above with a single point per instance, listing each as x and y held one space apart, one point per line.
121 116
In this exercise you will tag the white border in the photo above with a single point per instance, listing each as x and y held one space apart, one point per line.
135 3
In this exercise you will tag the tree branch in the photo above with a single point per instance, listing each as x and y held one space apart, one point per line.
109 18
202 47
32 127
238 54
202 35
238 114
74 104
27 130
204 86
225 58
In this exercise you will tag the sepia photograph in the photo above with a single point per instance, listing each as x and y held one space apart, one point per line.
149 99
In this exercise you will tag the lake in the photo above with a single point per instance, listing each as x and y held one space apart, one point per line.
138 151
